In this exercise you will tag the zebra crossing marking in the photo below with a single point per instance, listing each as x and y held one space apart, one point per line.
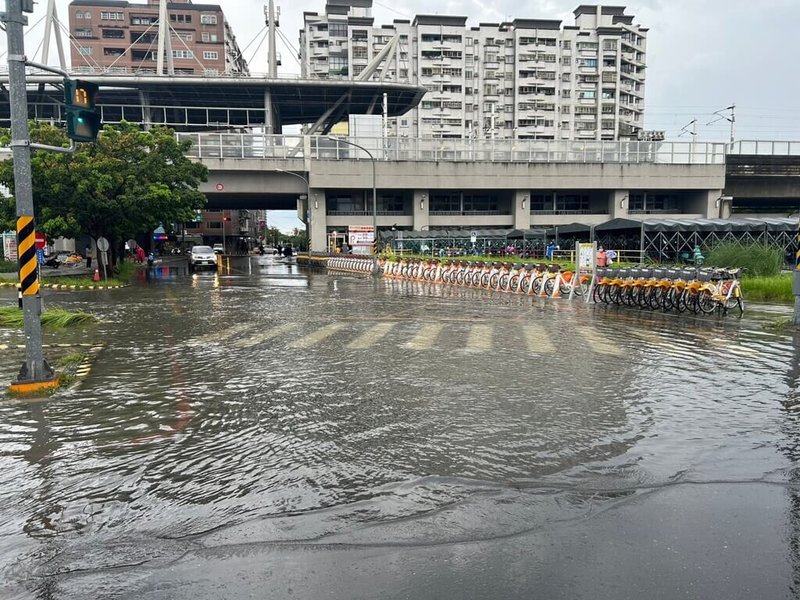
480 338
317 336
598 343
221 335
537 339
371 336
425 337
265 336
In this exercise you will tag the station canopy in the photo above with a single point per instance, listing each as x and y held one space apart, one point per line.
483 234
666 238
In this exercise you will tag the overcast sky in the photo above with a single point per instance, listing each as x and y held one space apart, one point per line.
702 55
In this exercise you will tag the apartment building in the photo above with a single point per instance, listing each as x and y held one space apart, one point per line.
524 79
122 36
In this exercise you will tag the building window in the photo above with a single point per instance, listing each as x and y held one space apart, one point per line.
113 51
445 202
112 16
209 37
143 20
114 34
180 18
79 15
337 30
84 33
182 54
83 15
84 51
210 55
186 37
208 19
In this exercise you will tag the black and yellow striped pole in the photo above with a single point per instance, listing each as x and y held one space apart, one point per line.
28 265
796 280
35 374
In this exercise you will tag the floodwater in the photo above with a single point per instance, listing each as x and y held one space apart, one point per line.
335 435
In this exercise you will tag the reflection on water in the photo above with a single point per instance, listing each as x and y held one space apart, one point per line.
278 404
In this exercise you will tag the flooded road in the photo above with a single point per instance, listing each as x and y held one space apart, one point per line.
329 435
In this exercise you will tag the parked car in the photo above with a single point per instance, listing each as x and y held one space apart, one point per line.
202 256
218 249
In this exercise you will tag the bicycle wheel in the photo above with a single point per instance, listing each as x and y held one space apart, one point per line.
735 301
503 281
537 285
525 284
513 283
493 281
706 302
548 286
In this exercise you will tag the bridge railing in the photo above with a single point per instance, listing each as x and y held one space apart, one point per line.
241 145
765 147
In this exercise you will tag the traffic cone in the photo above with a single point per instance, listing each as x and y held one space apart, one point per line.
96 276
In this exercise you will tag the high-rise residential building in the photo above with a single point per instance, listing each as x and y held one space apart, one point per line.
525 79
115 35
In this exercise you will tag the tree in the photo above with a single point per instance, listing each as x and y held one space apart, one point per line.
127 183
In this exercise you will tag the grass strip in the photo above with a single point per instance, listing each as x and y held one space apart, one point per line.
776 289
56 318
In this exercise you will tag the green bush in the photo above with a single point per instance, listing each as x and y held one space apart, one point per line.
756 258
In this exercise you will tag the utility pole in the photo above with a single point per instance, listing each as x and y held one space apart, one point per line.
35 374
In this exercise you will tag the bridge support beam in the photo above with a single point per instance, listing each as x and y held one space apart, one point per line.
421 212
317 220
521 209
619 203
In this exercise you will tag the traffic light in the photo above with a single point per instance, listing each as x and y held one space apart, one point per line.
83 118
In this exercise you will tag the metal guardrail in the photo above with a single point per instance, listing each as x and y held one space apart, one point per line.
228 145
765 148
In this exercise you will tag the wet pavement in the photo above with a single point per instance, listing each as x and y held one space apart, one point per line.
285 433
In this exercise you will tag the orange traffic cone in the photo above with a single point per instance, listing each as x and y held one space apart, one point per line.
96 276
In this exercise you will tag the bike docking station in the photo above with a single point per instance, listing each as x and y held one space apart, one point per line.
533 280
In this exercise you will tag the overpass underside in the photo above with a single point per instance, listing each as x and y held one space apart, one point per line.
763 184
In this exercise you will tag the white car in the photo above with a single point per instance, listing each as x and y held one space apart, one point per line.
202 256
218 249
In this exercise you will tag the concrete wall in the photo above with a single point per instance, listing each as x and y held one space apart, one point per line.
515 176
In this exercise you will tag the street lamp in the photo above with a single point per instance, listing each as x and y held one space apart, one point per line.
308 200
374 195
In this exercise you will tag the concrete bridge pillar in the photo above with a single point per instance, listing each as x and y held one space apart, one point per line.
713 205
619 203
317 220
420 204
521 209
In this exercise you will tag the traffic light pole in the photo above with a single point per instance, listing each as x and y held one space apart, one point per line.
35 373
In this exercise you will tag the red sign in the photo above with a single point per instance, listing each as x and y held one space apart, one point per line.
41 240
220 187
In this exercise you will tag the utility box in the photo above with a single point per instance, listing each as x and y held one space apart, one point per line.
796 282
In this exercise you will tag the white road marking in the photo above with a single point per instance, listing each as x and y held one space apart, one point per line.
598 343
371 336
264 336
480 338
316 337
538 341
425 337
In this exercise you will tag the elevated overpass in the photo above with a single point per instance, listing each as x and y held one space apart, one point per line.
189 103
439 183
